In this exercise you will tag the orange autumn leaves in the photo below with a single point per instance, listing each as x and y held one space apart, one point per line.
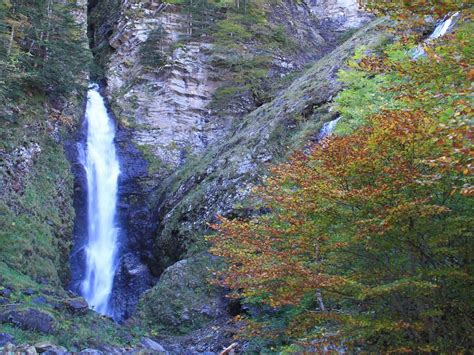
372 180
385 196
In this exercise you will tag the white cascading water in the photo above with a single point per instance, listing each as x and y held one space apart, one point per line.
102 170
327 128
441 29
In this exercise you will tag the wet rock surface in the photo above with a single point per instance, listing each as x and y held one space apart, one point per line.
77 305
220 179
134 217
131 280
182 163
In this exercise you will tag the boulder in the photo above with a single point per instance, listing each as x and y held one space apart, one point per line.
46 347
147 343
183 300
29 319
29 291
77 305
25 349
5 292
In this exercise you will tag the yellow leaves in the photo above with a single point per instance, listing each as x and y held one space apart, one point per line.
362 217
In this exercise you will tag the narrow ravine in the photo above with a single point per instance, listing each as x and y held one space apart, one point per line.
102 168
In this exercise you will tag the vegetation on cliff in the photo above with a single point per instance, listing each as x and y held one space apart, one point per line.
367 239
44 61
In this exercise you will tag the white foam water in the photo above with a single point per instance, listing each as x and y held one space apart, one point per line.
102 169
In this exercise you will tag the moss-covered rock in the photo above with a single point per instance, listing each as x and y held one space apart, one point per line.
183 300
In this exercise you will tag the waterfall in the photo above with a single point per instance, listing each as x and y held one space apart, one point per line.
327 128
102 169
443 26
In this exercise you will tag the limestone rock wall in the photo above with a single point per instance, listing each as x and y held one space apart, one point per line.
166 106
340 14
203 161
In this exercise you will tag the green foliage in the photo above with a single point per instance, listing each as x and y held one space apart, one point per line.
151 52
155 165
41 48
34 236
243 40
202 16
365 94
405 9
173 305
102 16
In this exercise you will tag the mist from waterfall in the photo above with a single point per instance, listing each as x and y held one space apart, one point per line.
102 168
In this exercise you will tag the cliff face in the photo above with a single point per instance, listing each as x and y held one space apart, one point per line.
168 105
37 180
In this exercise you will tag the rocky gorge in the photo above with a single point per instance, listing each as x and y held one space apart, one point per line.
196 131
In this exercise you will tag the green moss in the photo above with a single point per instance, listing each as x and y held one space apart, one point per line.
212 181
183 300
36 214
242 40
73 331
155 164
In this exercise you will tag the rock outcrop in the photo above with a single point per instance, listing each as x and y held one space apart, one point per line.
338 14
183 300
167 105
222 177
29 319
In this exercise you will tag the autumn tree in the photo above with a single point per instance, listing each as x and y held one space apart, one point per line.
367 240
407 8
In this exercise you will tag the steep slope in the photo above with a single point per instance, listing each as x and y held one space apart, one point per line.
209 105
40 113
161 79
216 182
